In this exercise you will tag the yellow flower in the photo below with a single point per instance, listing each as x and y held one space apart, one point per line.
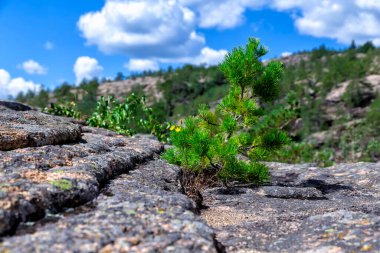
177 129
172 128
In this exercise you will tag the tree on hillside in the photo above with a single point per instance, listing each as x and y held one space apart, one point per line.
119 76
89 91
63 93
352 46
366 47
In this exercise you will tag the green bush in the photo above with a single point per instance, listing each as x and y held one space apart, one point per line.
373 116
129 117
208 146
69 109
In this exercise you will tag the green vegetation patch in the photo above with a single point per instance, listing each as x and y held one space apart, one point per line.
207 146
63 184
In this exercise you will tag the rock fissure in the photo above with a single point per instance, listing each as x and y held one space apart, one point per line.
134 213
38 175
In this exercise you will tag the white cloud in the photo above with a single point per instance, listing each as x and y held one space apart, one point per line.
222 13
9 86
154 31
341 20
141 65
286 54
33 68
5 77
208 56
49 45
143 29
86 68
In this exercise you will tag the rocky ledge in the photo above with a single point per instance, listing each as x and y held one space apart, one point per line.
66 187
303 209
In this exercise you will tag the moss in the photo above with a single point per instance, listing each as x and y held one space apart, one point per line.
58 171
62 184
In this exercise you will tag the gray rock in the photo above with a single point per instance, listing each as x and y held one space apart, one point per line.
340 231
136 212
303 209
52 178
291 192
14 106
37 176
65 187
20 129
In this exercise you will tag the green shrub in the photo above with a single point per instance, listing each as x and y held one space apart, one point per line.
303 153
373 115
69 109
373 150
129 117
354 97
208 145
62 184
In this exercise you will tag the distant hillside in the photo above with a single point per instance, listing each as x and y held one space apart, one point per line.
174 93
337 92
339 103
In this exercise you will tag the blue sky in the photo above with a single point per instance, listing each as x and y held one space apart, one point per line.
45 42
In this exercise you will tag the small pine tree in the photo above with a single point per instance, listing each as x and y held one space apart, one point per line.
209 146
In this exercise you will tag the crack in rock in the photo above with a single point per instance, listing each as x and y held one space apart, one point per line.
136 214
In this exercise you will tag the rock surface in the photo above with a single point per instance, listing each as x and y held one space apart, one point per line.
139 212
71 188
303 209
20 128
65 187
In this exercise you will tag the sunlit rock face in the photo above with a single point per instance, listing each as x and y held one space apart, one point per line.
303 209
66 187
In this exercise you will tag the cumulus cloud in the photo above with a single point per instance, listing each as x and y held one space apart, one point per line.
86 68
210 56
154 31
222 14
11 87
207 56
33 68
286 54
342 20
141 65
143 29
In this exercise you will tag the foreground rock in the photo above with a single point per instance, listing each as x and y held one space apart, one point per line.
65 187
53 177
139 212
20 128
304 209
69 188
